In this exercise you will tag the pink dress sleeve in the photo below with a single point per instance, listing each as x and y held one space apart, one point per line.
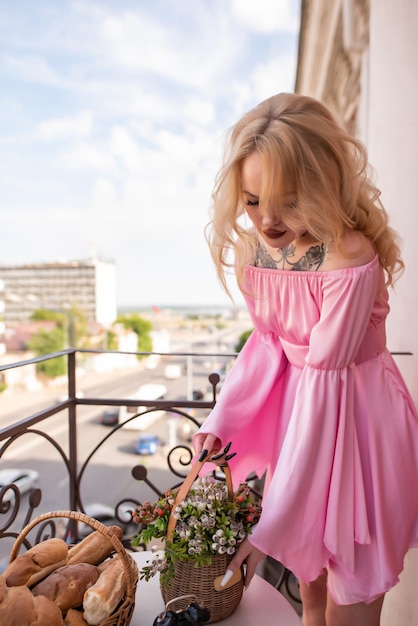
251 390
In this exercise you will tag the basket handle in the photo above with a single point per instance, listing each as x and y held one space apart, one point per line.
213 457
96 525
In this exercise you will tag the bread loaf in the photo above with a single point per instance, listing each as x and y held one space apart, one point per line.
18 607
36 563
74 618
101 599
67 585
46 612
3 587
94 549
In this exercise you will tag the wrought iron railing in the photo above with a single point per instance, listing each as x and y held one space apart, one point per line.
177 461
35 424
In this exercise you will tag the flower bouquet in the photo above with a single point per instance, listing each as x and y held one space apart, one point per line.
201 525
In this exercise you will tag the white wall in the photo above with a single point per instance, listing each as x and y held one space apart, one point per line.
392 138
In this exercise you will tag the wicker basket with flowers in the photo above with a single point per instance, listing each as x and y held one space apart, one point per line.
201 525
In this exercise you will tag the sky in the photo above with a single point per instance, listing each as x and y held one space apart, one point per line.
113 116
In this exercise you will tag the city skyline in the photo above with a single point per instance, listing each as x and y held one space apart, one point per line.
112 125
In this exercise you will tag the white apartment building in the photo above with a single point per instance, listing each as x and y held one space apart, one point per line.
89 286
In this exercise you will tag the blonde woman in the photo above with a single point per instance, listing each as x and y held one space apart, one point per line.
315 400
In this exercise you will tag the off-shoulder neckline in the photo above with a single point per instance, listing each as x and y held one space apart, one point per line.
344 270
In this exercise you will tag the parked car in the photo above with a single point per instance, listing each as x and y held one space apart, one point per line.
147 444
198 394
110 417
24 479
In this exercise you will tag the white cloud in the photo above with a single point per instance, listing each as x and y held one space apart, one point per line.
200 111
87 156
274 76
129 37
104 196
125 149
191 54
267 16
30 67
80 124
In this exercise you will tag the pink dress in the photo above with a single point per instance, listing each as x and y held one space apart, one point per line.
316 401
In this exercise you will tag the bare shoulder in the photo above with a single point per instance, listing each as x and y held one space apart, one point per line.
354 251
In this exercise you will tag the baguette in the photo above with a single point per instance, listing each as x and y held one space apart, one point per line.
18 607
67 585
36 563
94 549
101 599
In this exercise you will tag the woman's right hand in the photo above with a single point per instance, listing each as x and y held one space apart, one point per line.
205 441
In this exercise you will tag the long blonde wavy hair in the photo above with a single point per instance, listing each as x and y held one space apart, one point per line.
301 144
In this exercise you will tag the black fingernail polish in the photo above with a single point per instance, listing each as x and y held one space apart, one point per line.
218 456
228 445
203 455
230 456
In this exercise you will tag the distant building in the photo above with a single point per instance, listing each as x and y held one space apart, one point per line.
17 336
89 286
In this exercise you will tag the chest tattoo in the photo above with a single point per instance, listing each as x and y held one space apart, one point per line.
310 261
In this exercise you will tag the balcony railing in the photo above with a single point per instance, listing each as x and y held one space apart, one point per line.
17 509
36 424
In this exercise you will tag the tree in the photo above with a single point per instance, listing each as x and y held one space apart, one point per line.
70 330
45 342
111 340
141 327
46 314
73 324
242 339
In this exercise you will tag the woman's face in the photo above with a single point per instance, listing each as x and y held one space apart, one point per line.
268 221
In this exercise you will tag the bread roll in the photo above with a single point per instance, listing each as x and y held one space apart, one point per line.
74 618
67 585
36 563
103 597
47 612
19 607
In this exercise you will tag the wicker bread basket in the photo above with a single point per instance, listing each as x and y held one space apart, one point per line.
123 613
189 579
